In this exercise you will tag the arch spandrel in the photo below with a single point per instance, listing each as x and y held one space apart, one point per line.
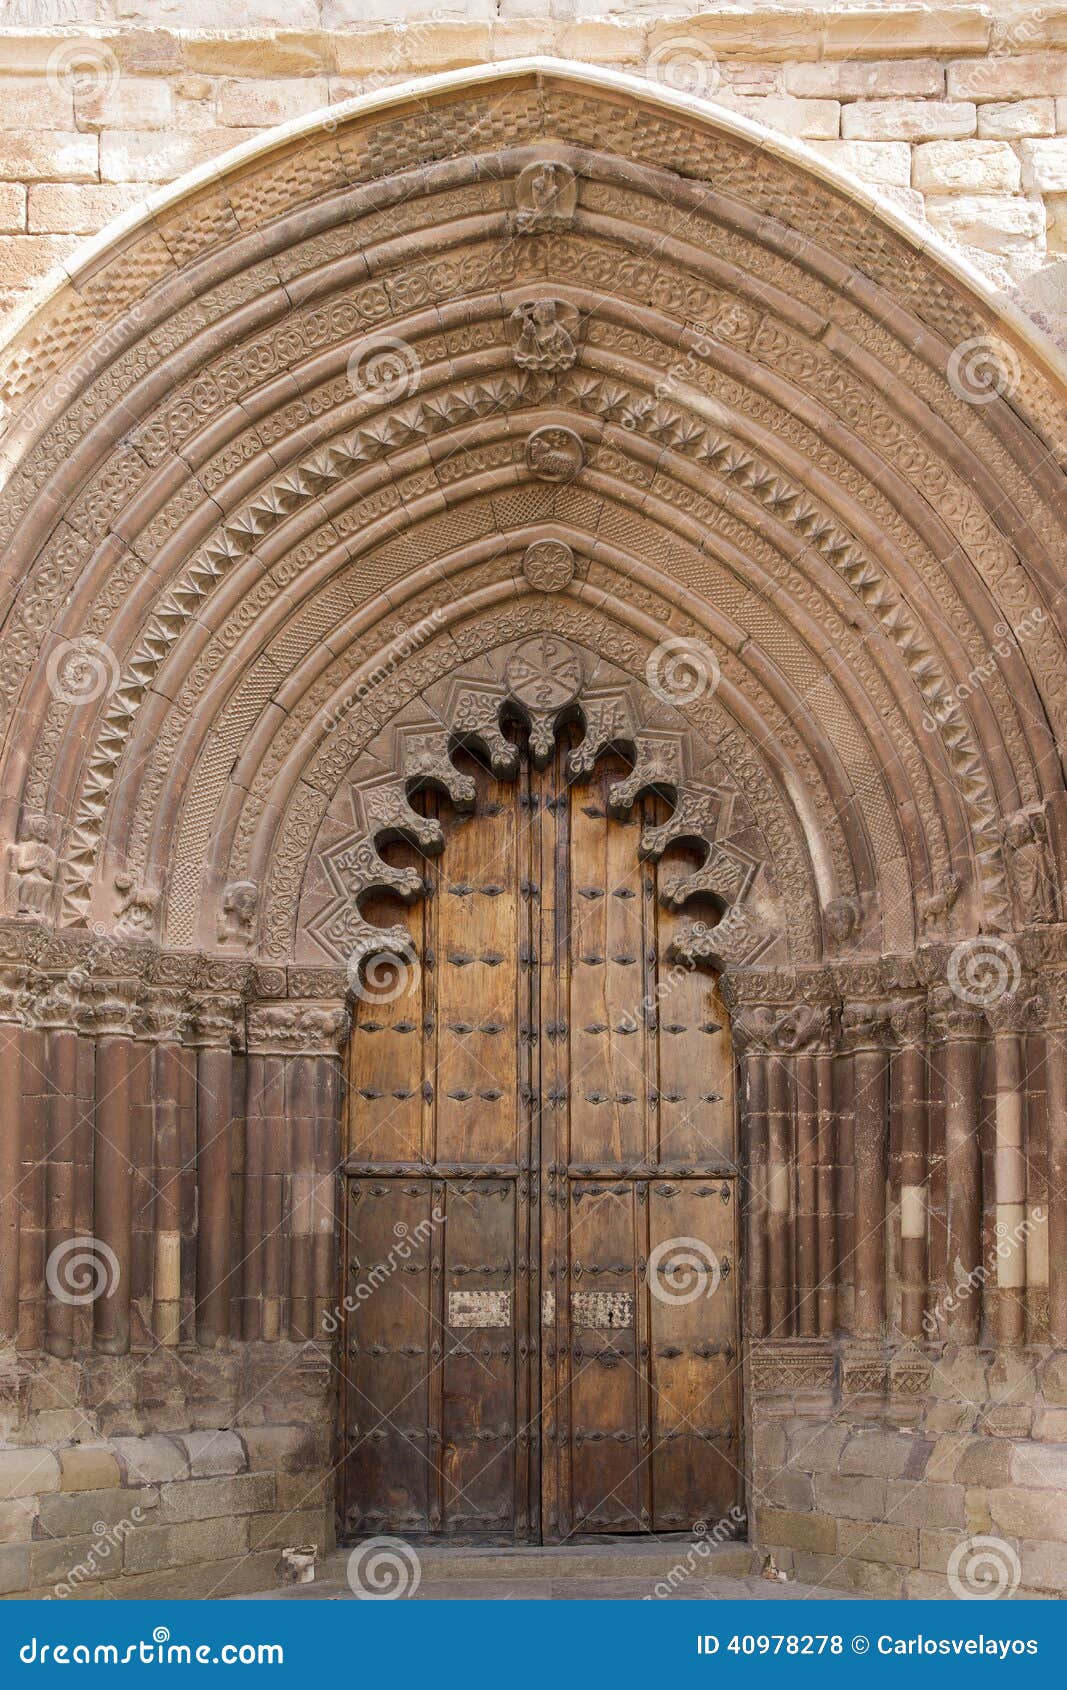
761 374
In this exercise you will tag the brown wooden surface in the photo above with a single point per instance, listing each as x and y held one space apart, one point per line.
561 1093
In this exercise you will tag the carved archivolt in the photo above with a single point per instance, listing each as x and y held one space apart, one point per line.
548 357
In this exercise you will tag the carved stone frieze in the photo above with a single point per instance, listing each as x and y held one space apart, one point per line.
298 1029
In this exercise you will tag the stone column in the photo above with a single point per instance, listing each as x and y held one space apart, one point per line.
958 1028
214 1026
12 1034
909 1189
1056 1129
110 1014
865 1033
747 1029
173 1088
1005 1289
293 1136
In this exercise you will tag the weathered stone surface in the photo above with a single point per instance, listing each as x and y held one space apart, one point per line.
789 1490
1044 1565
849 1497
1017 119
897 1545
885 163
816 1532
1045 164
285 1449
1029 1513
14 1567
1040 1464
81 209
27 1472
910 1502
75 1514
125 102
151 1548
250 102
861 79
206 1499
1010 76
48 156
139 155
908 120
210 1454
151 1460
291 1527
88 1467
1006 226
817 1449
979 167
17 1517
980 1461
879 1454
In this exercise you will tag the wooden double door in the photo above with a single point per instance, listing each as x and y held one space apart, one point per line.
540 1237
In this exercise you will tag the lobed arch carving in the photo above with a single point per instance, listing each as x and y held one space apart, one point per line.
539 687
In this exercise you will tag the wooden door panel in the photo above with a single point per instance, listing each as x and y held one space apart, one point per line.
608 939
480 1384
520 1371
694 1364
476 943
609 1421
389 1297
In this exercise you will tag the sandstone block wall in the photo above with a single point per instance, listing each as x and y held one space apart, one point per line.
957 112
878 1492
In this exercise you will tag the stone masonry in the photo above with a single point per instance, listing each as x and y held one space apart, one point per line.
957 113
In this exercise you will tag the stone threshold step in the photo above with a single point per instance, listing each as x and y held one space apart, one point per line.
640 1558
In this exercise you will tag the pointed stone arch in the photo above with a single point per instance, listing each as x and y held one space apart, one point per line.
543 353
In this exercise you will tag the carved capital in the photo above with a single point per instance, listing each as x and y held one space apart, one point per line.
215 1020
297 1029
866 1026
907 1020
951 1018
109 1008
